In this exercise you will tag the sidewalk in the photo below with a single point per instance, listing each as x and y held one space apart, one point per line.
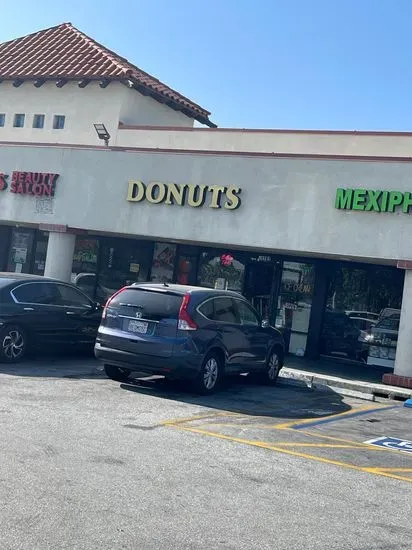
351 379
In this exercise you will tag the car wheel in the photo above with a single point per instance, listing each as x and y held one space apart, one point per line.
119 374
273 365
210 374
13 344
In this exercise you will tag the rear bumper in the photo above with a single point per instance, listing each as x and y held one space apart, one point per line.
187 366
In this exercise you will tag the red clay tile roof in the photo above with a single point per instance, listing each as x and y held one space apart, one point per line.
63 52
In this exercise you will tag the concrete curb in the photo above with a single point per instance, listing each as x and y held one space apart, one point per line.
351 388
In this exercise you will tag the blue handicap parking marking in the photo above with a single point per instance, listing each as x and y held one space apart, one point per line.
392 443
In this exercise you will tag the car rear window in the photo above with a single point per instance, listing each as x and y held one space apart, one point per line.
152 304
207 309
224 310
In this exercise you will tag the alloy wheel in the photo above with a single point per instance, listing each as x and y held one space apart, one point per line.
273 366
211 373
13 344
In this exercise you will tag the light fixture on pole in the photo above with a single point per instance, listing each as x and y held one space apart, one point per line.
102 133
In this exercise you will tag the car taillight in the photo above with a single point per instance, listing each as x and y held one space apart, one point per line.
185 321
109 300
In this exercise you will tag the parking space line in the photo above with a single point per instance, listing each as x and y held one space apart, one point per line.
348 443
266 445
310 422
319 445
282 449
359 444
395 469
196 417
385 473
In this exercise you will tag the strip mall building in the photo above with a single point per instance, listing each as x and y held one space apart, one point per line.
312 226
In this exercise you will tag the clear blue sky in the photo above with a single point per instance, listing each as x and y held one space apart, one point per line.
328 64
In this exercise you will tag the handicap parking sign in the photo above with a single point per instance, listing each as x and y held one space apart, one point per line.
392 443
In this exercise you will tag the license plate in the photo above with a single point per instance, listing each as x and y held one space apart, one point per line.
137 326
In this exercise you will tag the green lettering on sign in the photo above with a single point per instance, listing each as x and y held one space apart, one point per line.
395 199
373 203
344 199
359 196
407 202
370 200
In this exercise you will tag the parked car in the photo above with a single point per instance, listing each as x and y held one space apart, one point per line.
41 313
185 332
342 336
383 338
89 283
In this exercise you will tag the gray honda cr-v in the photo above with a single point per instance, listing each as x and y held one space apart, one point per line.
186 332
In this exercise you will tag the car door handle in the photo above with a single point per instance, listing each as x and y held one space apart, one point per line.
70 312
28 308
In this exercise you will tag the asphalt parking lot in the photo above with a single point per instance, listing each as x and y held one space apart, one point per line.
90 463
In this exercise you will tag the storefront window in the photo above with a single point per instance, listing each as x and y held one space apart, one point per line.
261 277
20 250
85 267
163 264
221 270
4 246
360 303
122 262
40 253
186 270
294 304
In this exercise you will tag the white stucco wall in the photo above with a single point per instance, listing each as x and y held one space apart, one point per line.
139 109
267 141
82 107
287 204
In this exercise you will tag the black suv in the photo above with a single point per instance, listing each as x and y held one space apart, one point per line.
186 332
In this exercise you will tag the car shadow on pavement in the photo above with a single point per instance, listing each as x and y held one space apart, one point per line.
288 399
74 364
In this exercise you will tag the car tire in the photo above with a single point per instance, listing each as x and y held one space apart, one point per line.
118 374
273 365
13 344
210 375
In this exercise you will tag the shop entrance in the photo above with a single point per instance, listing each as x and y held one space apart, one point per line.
294 304
282 293
261 287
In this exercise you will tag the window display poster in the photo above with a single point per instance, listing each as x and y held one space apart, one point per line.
163 263
20 251
20 255
221 271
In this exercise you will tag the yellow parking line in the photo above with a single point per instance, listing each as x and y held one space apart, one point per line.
395 469
385 473
349 444
287 425
265 445
175 421
354 444
357 443
319 445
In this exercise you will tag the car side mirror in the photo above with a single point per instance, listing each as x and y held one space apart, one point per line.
265 323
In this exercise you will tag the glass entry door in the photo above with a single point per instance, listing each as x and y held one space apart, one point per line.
295 304
261 286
